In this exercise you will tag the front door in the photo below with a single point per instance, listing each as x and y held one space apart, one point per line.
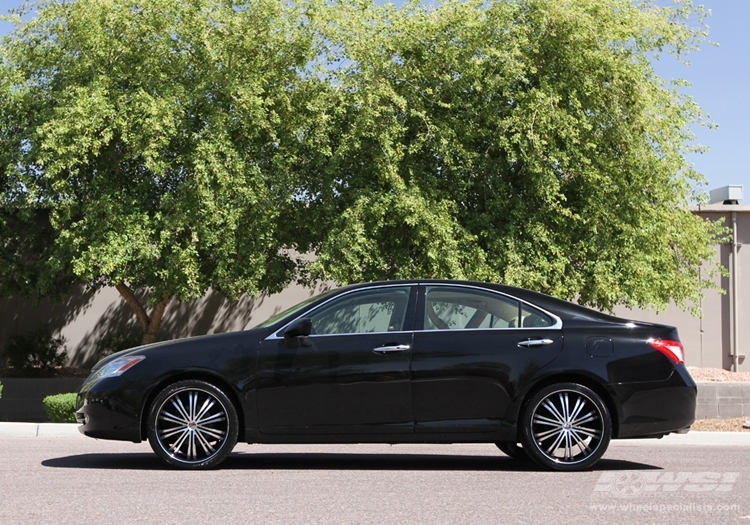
351 375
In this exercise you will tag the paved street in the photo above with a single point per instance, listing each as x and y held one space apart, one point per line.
72 480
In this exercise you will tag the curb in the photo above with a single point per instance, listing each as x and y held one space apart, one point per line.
70 430
46 430
694 437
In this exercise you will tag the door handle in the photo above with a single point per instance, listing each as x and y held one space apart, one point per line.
530 343
389 349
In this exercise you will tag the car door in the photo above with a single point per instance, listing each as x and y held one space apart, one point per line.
351 375
473 349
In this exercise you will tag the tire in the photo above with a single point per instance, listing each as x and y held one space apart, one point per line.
513 450
566 427
192 425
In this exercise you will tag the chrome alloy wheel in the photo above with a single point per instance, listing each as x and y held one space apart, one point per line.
567 426
192 425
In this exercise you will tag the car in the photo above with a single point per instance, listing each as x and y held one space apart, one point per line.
423 361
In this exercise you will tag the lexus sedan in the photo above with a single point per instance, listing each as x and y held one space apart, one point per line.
402 362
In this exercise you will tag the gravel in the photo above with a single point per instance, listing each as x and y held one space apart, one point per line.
701 375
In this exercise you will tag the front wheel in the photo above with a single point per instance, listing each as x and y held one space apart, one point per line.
192 425
566 427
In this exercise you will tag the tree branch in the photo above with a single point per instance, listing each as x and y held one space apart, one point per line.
135 305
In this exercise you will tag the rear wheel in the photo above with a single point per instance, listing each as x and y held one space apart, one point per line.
192 425
513 450
566 427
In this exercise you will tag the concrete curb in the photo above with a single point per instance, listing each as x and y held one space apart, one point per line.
70 430
46 430
694 437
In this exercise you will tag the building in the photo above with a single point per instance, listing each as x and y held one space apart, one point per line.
718 339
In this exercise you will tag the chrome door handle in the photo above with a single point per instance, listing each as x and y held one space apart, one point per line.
391 348
535 342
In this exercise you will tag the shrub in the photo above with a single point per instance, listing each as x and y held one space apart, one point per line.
61 408
36 351
115 342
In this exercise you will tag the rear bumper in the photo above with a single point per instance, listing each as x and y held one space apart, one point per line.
657 408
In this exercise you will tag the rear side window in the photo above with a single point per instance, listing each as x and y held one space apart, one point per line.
449 308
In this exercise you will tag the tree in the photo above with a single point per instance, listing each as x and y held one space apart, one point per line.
176 146
522 141
157 137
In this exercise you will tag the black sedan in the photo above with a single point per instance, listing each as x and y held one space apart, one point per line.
402 362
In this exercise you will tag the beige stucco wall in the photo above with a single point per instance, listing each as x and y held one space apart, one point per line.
708 339
85 317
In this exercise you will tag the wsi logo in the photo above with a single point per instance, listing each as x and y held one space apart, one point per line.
629 484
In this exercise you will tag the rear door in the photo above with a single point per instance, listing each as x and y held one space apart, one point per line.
472 350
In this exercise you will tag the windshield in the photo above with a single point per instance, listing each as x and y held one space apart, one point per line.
290 311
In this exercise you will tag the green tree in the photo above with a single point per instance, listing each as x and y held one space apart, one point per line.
148 145
523 141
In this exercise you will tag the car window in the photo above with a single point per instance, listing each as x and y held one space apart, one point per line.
533 318
379 310
449 308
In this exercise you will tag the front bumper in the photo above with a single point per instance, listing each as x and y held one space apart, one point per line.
109 410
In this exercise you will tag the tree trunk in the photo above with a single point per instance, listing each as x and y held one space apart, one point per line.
149 323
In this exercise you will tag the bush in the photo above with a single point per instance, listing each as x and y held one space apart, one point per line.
61 408
36 351
115 342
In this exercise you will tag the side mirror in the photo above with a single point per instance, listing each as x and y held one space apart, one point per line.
300 327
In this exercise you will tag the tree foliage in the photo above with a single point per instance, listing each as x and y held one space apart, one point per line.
157 135
527 141
176 146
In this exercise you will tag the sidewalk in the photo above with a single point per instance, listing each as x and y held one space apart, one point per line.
70 430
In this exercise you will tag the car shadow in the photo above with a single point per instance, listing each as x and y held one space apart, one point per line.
331 461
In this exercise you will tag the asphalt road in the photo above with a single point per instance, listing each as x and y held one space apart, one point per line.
67 480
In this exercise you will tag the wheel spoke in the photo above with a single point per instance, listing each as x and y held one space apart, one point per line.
590 432
205 408
553 410
580 402
166 416
579 441
564 405
177 402
178 444
218 434
215 418
556 443
541 436
542 420
591 416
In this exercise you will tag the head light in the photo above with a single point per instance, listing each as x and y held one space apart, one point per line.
117 366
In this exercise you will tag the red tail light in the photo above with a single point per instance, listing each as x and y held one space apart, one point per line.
672 349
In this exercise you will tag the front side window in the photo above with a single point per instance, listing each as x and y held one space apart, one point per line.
379 310
448 308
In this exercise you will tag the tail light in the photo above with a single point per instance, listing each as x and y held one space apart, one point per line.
672 349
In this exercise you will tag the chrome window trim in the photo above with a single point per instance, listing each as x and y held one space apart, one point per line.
557 326
273 336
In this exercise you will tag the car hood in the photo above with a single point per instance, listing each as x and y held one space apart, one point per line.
177 345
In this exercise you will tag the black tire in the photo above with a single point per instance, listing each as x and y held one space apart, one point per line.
513 450
192 425
566 427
